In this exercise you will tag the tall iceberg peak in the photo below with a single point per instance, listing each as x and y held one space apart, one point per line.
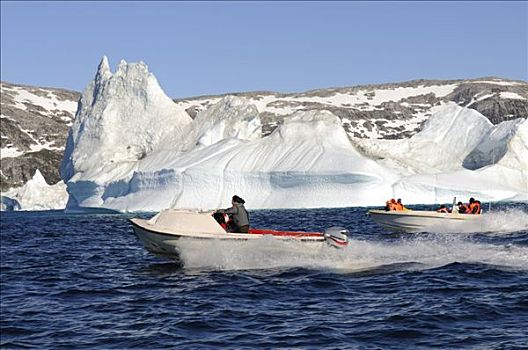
121 117
103 70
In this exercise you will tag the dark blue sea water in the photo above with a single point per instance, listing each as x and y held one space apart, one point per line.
84 281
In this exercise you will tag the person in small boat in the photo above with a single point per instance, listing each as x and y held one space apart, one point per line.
399 205
474 206
391 205
462 208
442 209
238 214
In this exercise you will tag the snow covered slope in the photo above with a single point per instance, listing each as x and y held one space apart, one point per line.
307 158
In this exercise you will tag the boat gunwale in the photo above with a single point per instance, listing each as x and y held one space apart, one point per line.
424 214
164 231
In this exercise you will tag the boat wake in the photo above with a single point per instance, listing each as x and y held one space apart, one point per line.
497 223
410 252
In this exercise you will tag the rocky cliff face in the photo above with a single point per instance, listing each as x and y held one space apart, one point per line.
35 121
34 125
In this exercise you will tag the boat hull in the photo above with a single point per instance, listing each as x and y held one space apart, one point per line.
156 242
418 221
165 241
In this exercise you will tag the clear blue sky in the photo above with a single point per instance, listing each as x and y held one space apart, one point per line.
197 48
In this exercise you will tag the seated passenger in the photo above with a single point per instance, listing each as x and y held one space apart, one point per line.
399 205
474 206
238 214
462 208
392 205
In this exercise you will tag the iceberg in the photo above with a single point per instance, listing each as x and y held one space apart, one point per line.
447 138
458 153
231 117
121 117
36 194
131 148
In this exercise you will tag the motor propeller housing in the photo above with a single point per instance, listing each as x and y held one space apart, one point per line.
337 236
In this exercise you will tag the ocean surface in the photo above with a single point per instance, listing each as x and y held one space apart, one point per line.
85 281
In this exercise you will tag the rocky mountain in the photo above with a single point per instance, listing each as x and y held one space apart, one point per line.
35 120
34 125
386 111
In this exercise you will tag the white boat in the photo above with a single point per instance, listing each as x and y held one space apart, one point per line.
418 220
162 233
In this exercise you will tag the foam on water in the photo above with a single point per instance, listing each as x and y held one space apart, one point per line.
410 252
495 222
505 221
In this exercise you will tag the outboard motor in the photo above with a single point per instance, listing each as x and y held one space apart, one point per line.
336 236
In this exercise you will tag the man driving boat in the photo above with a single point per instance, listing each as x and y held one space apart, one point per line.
239 215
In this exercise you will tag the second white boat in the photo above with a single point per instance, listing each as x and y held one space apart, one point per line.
419 221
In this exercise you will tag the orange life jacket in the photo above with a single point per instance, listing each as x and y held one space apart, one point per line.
474 208
399 206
